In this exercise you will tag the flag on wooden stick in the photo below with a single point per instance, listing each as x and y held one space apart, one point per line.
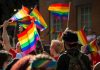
40 22
28 39
59 9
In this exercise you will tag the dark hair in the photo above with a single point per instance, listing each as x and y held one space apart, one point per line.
4 56
71 39
70 36
11 64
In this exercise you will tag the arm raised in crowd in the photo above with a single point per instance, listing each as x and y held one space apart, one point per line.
5 37
6 40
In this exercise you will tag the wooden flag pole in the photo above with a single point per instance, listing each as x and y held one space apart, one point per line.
14 36
68 16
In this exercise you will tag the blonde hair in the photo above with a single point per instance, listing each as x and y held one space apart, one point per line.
56 45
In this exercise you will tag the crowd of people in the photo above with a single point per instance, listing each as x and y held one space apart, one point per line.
64 54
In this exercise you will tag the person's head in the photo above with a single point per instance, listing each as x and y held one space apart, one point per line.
18 47
5 58
43 62
97 66
23 63
70 39
56 46
11 64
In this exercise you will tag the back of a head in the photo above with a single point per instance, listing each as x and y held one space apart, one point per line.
4 57
70 38
43 62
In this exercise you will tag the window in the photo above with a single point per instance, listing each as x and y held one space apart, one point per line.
55 26
84 17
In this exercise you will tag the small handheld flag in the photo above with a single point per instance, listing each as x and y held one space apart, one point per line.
28 39
82 37
59 9
92 46
40 22
20 14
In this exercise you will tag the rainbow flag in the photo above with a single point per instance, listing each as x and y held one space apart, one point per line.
40 22
28 39
92 46
25 19
24 22
20 14
82 37
23 25
59 9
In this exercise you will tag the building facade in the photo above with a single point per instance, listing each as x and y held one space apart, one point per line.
83 13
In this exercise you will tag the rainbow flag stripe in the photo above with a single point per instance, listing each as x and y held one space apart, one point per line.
92 46
28 39
27 18
82 37
12 24
59 9
24 22
40 22
23 25
44 63
20 14
60 14
25 9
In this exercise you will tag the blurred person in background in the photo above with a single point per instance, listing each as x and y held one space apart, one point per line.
42 62
95 56
17 52
56 48
23 63
5 59
35 62
72 51
91 35
6 41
